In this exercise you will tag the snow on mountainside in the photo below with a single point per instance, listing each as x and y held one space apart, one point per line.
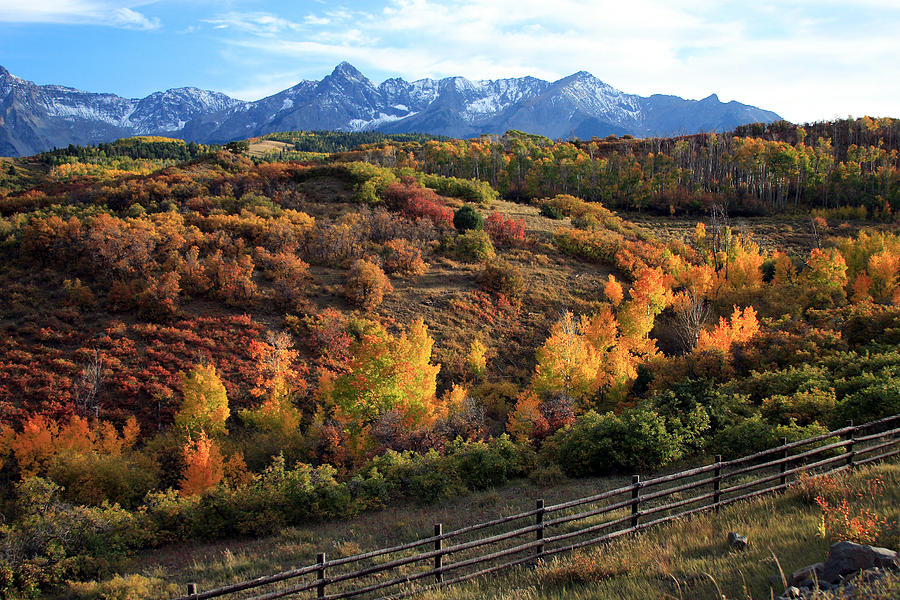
172 109
34 118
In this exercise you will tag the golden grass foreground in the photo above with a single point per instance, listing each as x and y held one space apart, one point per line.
691 559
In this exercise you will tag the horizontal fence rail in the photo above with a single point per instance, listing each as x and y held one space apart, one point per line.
526 537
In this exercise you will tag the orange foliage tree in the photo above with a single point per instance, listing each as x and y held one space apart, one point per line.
204 467
882 270
785 272
476 359
44 442
741 328
744 262
612 289
278 382
527 422
402 257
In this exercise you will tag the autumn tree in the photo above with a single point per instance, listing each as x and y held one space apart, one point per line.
566 362
882 269
366 285
278 383
205 404
159 299
385 373
744 263
601 352
121 248
402 257
527 422
621 345
785 272
34 447
825 269
289 276
92 460
476 359
741 328
612 289
204 467
652 290
861 289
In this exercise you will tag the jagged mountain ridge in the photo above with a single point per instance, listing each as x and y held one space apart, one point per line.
35 118
39 117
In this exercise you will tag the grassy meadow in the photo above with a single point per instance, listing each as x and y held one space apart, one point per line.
685 559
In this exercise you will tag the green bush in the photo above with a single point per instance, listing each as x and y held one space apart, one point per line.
51 541
869 396
651 441
280 497
466 465
805 407
552 211
475 246
370 181
785 382
586 222
792 432
472 190
483 465
746 437
425 477
638 439
587 446
466 218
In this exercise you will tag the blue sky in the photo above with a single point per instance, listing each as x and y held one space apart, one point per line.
805 59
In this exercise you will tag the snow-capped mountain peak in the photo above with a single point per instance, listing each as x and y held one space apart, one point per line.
35 118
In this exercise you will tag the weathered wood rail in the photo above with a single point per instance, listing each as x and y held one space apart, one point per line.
482 548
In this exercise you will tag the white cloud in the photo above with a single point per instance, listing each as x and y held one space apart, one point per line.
258 23
126 17
81 12
802 58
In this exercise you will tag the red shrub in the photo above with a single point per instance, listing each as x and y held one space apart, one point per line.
420 203
503 231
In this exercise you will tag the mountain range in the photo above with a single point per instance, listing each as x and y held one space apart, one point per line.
35 117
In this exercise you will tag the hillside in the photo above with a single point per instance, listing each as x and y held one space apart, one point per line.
203 343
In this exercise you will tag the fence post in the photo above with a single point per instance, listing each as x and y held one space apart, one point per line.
717 482
320 575
851 452
784 464
438 545
635 497
539 521
192 589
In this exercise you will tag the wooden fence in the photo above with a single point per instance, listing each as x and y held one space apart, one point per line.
544 531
